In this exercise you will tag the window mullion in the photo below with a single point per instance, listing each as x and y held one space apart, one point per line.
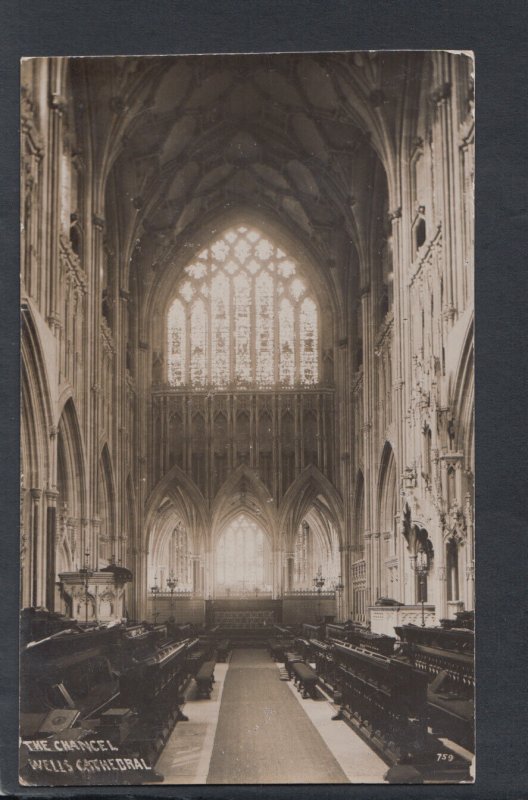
186 372
298 342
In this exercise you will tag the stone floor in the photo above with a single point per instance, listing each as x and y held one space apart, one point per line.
257 729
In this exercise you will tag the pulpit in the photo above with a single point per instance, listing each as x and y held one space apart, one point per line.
95 596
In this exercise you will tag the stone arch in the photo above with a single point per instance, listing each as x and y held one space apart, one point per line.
326 533
72 493
386 516
168 520
330 304
387 498
186 497
36 462
244 492
311 487
37 414
463 399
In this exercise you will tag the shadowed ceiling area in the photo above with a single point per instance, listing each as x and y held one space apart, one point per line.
298 141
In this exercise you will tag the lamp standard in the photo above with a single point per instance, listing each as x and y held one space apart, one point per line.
86 574
172 582
319 582
422 568
155 591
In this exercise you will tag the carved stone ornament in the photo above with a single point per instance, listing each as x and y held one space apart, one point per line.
409 478
406 523
455 524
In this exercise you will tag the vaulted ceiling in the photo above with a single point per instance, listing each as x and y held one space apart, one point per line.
302 140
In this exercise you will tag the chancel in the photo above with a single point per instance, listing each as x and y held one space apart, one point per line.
247 417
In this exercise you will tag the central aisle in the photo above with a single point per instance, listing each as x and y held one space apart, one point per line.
263 734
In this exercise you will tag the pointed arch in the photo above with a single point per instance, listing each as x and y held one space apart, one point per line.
172 547
244 491
233 301
156 308
387 496
72 489
36 403
37 545
310 488
463 398
187 498
69 431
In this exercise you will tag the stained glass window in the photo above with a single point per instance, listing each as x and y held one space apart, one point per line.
242 558
287 339
176 344
308 339
243 316
198 363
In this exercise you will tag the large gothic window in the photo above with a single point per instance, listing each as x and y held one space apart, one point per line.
242 559
243 316
173 559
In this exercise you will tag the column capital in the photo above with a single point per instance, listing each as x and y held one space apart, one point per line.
36 494
395 215
57 102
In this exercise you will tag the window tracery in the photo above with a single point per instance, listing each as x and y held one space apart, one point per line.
242 558
242 316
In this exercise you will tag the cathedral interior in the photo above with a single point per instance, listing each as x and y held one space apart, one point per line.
247 411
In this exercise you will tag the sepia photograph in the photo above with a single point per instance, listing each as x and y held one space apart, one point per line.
247 530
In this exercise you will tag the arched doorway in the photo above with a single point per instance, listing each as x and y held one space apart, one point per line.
243 559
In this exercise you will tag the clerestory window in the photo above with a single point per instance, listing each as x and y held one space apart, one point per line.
243 316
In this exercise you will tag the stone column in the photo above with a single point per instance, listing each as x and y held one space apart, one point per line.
441 589
278 577
446 173
288 572
51 545
57 107
196 575
36 495
345 598
376 566
209 587
469 598
369 561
